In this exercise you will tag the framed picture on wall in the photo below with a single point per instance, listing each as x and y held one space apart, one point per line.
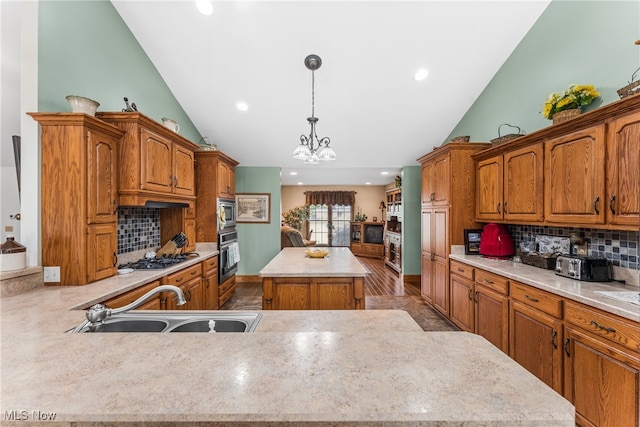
253 208
472 241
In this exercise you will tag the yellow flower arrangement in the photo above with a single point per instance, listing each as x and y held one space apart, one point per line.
575 96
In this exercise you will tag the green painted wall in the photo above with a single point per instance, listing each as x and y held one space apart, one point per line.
411 194
84 48
583 42
259 243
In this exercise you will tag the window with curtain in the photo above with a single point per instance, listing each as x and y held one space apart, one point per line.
329 215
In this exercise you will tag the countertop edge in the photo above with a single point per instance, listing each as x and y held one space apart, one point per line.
547 280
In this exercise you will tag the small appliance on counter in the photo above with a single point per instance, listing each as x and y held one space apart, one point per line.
588 269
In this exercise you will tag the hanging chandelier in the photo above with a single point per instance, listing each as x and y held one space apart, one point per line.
312 149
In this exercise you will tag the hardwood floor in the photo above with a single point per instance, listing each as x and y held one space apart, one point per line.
383 291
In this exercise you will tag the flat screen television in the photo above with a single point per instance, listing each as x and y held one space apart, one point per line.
374 233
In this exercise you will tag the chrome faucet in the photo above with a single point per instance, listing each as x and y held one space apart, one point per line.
98 313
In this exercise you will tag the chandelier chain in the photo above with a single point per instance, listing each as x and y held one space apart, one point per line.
313 93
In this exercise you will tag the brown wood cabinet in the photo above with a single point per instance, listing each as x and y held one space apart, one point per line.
574 177
156 164
448 207
535 333
225 290
210 277
128 297
510 186
313 293
462 296
623 171
215 171
366 239
189 280
492 308
79 196
601 367
590 356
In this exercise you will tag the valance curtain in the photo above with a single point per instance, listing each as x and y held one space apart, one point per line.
345 198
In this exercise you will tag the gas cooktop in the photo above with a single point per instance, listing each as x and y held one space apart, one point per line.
157 263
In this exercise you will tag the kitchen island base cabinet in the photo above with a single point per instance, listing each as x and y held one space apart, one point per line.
313 293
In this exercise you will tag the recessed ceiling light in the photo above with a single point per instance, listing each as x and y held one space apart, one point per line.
300 183
205 7
242 106
293 173
384 173
421 74
367 183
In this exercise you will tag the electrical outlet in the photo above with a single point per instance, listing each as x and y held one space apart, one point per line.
582 250
52 274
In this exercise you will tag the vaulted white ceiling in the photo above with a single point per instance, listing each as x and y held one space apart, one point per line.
379 118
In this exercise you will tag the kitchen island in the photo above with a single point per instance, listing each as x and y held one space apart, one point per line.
294 281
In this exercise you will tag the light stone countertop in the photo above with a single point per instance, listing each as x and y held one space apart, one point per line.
547 280
293 262
332 367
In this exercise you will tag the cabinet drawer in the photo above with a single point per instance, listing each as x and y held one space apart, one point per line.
617 330
492 281
537 298
461 269
183 276
226 285
210 264
225 291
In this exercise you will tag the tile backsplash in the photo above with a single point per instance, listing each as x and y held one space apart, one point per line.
138 228
619 247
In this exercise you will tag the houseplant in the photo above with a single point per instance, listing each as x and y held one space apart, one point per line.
570 102
295 217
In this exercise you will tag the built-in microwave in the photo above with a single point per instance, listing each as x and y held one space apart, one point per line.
226 213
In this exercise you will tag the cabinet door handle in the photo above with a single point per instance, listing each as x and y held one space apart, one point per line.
175 182
194 272
595 205
188 295
115 207
170 181
115 259
488 282
498 208
602 327
179 279
613 199
554 334
566 347
461 270
470 294
531 299
504 207
433 257
475 297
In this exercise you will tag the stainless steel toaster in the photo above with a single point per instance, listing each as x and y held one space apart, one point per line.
589 269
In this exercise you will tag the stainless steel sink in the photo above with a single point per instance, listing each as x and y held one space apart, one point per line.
171 321
203 326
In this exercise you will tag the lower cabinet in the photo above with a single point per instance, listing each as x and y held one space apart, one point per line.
225 290
189 280
601 367
210 279
589 356
128 297
462 292
426 274
491 299
313 293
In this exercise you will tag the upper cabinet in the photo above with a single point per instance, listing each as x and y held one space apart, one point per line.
215 178
510 186
582 172
623 171
156 163
574 171
435 180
